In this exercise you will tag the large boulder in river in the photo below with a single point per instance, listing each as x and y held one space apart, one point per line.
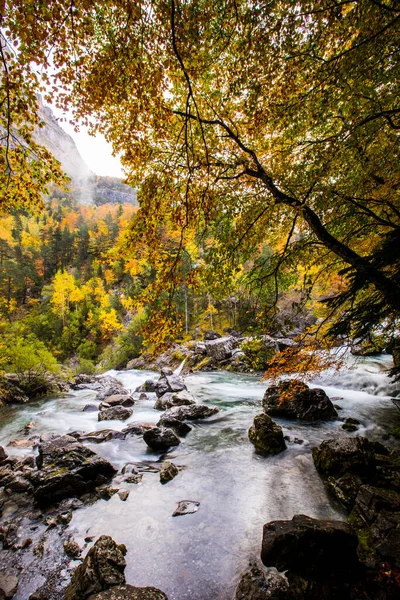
102 568
129 592
295 400
346 455
66 468
161 438
220 349
266 435
190 413
119 413
169 383
313 549
183 398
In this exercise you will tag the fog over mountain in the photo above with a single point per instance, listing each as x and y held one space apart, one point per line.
87 187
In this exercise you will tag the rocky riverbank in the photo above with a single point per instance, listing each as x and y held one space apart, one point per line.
58 478
231 352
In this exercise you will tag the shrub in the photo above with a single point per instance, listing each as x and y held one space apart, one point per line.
257 354
31 361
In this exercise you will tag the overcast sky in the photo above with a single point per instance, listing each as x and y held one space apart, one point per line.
95 151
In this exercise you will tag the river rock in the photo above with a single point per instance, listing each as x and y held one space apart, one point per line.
266 435
178 426
186 507
8 585
220 349
129 592
345 488
260 584
295 400
115 412
191 413
136 429
168 472
3 454
103 435
90 408
109 391
376 520
161 438
313 549
350 424
345 455
119 400
148 386
169 383
183 398
66 468
102 568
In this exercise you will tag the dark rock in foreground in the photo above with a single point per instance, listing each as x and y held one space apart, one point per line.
376 520
266 435
66 468
295 400
312 549
129 592
102 568
260 584
161 438
345 455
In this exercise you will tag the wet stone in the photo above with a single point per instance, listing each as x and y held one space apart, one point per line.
118 400
180 427
293 399
168 472
102 568
266 435
260 584
161 438
129 592
119 413
90 408
186 507
8 584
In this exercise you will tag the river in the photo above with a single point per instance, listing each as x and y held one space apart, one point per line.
200 556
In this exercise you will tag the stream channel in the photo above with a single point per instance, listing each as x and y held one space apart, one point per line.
200 556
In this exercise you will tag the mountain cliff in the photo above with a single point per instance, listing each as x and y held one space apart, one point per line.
86 187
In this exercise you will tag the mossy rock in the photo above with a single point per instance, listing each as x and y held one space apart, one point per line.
266 435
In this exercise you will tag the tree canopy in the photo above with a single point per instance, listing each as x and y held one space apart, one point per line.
241 123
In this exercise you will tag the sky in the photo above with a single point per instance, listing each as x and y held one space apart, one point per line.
95 151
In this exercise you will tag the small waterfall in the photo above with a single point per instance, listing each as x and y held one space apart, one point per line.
178 370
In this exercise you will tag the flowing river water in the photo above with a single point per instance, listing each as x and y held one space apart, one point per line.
200 556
